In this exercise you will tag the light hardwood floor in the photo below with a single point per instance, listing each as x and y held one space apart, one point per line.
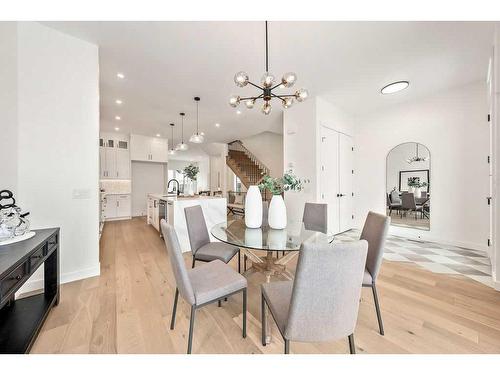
128 308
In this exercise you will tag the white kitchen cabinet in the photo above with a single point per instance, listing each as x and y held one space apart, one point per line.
122 164
114 158
117 207
151 149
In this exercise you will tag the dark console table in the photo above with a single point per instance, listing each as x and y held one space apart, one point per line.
21 319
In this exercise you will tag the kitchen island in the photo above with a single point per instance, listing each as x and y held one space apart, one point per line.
214 210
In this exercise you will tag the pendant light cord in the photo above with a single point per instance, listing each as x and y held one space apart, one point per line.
197 122
267 53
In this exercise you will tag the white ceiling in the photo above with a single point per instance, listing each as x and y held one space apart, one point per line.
166 64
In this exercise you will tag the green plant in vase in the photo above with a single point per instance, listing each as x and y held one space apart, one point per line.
277 186
191 172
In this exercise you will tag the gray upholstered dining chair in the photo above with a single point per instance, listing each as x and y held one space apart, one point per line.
375 233
202 285
315 217
201 247
322 303
408 204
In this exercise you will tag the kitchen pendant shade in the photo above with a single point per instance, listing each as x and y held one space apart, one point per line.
197 137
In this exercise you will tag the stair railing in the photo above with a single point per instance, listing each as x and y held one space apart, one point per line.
238 146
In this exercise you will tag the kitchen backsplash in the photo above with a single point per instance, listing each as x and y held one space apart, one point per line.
116 186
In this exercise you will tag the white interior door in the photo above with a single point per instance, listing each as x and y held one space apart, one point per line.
329 175
346 210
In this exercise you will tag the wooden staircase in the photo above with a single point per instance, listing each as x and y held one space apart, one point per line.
245 165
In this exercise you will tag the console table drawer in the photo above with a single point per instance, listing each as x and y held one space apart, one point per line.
37 257
13 279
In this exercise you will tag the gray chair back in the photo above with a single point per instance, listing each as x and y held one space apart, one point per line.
375 232
265 213
177 262
326 291
408 201
395 197
315 217
197 229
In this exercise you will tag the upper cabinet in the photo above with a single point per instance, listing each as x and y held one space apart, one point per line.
152 149
114 157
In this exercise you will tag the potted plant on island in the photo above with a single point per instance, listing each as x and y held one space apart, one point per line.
191 172
277 186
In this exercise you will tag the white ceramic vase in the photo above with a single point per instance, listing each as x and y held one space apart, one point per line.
277 213
411 189
417 193
253 207
190 188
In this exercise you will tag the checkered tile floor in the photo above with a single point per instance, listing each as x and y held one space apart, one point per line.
434 257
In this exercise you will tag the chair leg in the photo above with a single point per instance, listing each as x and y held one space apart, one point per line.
191 328
219 303
174 311
194 261
245 313
263 319
377 307
287 346
352 347
239 261
245 262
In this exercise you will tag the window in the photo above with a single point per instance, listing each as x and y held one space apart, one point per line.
237 184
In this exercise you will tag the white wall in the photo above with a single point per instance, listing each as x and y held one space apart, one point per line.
146 178
8 106
301 147
452 125
58 152
268 148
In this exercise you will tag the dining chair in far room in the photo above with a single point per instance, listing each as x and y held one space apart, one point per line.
375 233
408 204
393 205
265 223
202 285
315 217
322 302
201 247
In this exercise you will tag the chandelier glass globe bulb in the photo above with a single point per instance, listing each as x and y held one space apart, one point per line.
241 79
287 102
250 103
266 108
172 151
267 80
288 79
301 95
234 101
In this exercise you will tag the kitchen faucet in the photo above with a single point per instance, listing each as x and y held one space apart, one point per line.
178 185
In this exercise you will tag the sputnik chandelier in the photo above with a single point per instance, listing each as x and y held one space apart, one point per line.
268 85
416 158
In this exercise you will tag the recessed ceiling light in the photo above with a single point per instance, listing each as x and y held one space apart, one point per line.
394 87
217 125
120 75
118 118
202 133
117 128
118 101
158 135
238 112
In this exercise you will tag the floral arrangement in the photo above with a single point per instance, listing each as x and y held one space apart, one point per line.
191 171
277 186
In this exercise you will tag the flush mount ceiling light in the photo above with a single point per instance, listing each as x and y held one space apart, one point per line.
117 128
241 79
172 151
197 137
416 158
118 118
394 87
217 125
182 146
118 101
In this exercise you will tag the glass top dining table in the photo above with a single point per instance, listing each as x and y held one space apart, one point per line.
252 241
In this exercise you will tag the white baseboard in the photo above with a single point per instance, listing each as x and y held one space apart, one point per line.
37 284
